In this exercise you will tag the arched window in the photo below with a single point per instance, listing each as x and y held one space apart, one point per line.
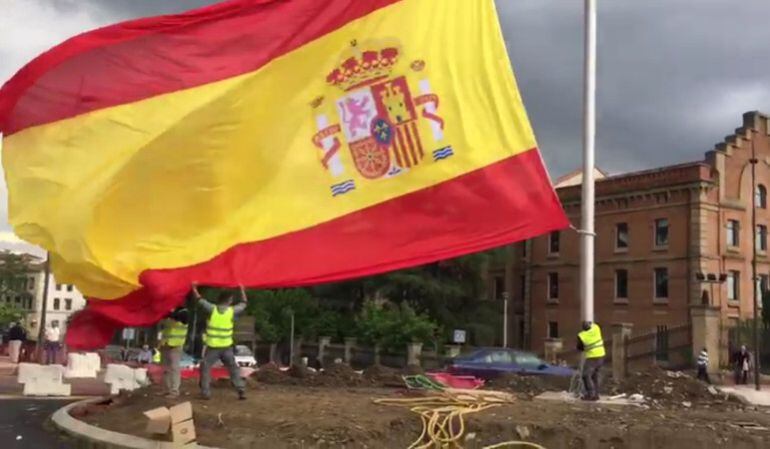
760 197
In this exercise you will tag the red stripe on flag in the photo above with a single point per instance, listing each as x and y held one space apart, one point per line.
447 220
134 60
417 138
409 129
401 147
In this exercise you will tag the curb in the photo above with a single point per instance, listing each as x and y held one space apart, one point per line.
89 436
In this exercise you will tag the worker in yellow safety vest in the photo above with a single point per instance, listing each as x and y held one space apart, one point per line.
172 341
219 340
590 342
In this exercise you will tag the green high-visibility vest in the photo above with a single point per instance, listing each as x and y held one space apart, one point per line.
174 334
593 345
219 331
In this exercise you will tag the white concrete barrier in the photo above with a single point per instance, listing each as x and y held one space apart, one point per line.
122 377
80 366
43 380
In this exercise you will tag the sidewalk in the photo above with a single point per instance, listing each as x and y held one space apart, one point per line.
80 387
751 395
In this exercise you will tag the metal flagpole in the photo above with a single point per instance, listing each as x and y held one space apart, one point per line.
587 210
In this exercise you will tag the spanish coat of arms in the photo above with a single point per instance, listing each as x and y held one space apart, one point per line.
377 117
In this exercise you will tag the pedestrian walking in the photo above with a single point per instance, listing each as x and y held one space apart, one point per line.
742 362
219 340
703 364
17 335
52 343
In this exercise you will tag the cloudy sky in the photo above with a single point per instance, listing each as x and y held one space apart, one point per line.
674 75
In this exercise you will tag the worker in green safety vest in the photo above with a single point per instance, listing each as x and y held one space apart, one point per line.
219 340
173 336
590 342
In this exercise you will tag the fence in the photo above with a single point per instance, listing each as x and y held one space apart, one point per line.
669 347
742 333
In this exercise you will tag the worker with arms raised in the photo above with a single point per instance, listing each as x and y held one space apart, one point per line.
219 340
590 342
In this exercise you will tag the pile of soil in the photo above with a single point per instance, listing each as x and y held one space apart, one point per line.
525 387
383 376
671 389
339 375
270 374
300 372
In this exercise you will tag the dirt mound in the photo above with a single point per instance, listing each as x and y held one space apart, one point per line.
670 389
271 374
527 386
339 375
383 376
412 370
300 372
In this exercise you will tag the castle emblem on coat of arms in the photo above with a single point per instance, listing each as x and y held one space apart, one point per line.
379 115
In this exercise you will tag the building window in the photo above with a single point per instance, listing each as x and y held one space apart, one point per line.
733 233
661 232
70 287
522 286
67 304
553 329
58 287
17 299
524 249
56 303
661 283
553 242
761 238
760 197
55 323
31 284
553 286
621 284
733 285
621 236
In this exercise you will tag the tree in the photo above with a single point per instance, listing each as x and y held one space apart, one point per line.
14 273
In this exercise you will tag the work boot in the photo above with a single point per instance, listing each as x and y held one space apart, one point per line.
241 395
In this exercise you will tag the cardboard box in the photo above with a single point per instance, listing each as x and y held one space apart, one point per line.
181 412
159 420
183 432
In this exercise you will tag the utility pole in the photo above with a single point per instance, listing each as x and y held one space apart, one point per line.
44 308
589 134
754 162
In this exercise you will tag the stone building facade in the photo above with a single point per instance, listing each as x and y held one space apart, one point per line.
659 235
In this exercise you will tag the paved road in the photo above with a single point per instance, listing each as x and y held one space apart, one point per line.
28 419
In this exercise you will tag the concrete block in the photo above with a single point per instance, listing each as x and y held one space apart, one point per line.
43 380
80 366
122 377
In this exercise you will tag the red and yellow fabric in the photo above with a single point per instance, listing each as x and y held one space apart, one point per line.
268 143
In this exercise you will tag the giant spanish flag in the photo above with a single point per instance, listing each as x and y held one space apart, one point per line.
269 143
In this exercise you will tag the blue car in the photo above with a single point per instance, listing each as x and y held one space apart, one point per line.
488 363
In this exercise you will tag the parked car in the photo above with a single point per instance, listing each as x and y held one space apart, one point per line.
244 357
488 363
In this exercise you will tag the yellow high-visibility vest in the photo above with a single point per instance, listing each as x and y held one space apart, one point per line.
593 345
174 334
156 356
219 331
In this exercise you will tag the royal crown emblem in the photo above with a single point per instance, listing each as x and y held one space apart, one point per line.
379 117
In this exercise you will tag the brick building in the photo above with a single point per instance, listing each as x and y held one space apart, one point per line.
656 231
